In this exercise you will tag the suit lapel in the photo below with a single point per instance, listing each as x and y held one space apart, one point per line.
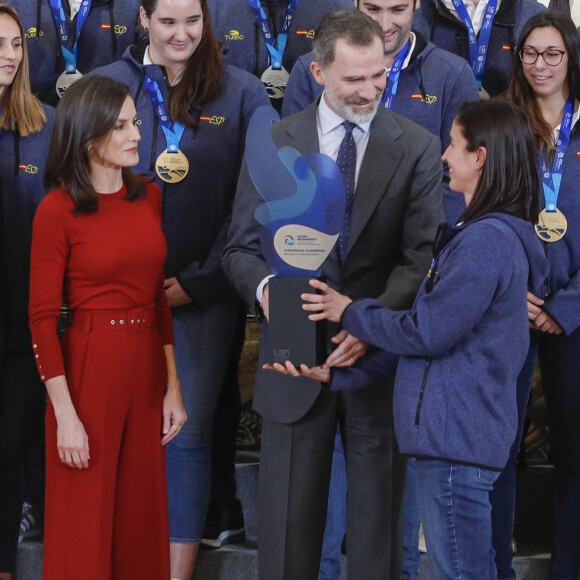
382 157
303 131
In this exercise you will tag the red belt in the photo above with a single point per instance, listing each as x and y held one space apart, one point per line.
125 319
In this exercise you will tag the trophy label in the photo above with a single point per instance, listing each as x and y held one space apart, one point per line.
303 247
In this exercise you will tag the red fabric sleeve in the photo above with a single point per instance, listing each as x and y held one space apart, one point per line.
50 249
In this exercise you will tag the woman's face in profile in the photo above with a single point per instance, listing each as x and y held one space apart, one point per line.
464 166
119 148
11 50
175 31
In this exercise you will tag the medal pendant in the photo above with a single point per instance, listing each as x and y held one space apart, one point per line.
275 82
172 167
551 226
65 80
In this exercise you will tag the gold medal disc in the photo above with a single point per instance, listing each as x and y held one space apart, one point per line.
65 80
551 226
172 167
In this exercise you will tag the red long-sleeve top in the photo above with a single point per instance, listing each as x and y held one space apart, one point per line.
112 258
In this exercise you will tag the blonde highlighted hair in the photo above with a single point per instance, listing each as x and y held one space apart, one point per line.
21 110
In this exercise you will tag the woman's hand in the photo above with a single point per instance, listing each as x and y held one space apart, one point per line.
329 304
539 319
316 373
72 442
174 415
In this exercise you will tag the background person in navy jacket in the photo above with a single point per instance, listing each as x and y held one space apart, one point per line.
110 28
463 342
546 86
25 125
437 20
181 64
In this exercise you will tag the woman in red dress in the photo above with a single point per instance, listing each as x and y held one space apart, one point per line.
115 398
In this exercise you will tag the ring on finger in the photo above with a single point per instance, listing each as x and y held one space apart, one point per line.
353 359
177 426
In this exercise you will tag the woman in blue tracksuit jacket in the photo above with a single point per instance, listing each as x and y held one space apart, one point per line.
25 126
110 28
464 341
542 89
182 60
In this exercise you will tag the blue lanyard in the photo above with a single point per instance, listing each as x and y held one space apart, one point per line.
275 46
477 50
551 179
172 130
68 47
393 81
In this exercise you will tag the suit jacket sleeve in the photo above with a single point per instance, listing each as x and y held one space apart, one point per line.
423 214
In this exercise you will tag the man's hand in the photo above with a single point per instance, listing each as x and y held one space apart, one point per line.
176 295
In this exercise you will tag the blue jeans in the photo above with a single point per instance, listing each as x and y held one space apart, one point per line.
411 555
503 496
203 344
336 515
456 512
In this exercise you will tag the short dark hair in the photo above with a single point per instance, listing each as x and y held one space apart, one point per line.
509 182
354 26
86 114
522 94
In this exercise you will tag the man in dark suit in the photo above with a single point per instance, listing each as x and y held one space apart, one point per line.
395 213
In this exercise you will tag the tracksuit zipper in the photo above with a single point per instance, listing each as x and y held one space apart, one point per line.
422 392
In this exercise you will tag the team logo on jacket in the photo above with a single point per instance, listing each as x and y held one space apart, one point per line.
119 29
307 33
234 35
32 32
30 169
213 119
428 99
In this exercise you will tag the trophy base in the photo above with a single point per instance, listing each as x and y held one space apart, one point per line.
293 336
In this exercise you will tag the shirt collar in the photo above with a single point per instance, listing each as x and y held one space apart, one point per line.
147 61
329 120
407 60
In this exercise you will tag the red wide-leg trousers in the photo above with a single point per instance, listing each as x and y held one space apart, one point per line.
110 521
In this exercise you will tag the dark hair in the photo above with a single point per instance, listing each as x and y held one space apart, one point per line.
522 94
353 26
86 114
509 182
203 76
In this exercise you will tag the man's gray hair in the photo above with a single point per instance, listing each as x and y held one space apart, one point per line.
352 25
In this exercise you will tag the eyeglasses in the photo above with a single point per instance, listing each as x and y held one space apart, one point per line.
551 56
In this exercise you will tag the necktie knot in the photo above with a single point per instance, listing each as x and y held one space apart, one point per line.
349 127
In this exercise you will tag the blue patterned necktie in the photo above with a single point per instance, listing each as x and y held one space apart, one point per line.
346 161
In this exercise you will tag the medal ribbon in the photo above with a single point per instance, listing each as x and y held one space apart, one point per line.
67 46
477 50
393 81
275 46
551 179
172 130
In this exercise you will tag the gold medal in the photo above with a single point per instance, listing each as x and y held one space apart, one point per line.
551 226
65 80
172 167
